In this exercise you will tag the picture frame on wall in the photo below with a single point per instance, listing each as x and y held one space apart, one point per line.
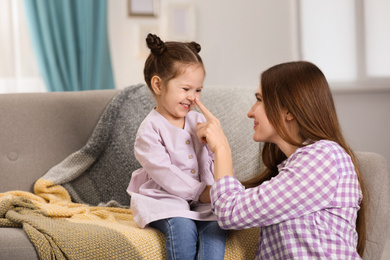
147 8
181 22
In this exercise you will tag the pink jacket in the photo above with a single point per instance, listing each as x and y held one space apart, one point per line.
176 167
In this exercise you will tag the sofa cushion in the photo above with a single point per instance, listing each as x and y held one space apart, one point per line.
15 245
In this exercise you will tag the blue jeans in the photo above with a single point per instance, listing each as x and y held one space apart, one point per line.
191 239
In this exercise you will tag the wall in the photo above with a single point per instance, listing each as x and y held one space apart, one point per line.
238 42
365 119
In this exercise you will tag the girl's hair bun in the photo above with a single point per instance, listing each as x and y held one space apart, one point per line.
195 46
155 44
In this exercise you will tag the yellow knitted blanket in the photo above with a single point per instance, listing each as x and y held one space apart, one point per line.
61 229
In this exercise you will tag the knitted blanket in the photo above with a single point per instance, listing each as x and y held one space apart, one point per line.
61 229
71 214
99 173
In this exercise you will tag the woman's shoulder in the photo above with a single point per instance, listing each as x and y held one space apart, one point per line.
325 144
323 147
316 155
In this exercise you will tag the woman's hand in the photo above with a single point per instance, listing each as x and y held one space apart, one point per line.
211 132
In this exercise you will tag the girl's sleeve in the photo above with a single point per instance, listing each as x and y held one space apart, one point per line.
153 157
206 164
306 184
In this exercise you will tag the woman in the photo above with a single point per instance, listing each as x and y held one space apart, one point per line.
308 201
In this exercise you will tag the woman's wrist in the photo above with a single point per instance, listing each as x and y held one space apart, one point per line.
223 163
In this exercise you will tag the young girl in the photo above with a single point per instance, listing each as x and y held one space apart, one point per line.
308 201
171 192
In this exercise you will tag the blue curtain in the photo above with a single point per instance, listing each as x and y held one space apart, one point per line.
70 40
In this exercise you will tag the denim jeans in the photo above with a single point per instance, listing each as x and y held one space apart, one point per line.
190 239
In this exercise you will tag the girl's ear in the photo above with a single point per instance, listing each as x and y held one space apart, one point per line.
156 83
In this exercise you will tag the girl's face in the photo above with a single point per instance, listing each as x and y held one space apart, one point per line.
177 97
264 131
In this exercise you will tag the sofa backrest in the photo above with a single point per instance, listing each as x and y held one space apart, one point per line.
39 130
230 104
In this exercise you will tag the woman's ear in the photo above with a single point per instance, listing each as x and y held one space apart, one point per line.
288 115
156 83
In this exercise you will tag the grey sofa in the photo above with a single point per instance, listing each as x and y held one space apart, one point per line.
40 130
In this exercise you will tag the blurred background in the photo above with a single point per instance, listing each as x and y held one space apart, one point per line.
63 45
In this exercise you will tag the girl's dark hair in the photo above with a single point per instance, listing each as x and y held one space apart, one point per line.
302 89
166 59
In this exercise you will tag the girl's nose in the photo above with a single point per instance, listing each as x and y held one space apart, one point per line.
191 97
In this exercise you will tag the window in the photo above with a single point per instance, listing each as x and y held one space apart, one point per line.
348 40
377 37
18 67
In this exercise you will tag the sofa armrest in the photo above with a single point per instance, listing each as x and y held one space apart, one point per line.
374 171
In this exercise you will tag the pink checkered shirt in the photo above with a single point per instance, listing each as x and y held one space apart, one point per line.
308 211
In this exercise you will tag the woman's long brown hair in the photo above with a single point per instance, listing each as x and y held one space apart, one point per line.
302 89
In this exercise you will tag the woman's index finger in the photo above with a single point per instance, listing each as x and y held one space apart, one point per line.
207 114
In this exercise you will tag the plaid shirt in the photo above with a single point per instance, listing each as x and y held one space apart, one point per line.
308 211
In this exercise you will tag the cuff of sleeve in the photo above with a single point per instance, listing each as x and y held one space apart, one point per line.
222 186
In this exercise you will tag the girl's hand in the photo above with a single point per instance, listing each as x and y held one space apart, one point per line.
211 132
205 195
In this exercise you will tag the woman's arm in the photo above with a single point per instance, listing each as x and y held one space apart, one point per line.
307 183
211 132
